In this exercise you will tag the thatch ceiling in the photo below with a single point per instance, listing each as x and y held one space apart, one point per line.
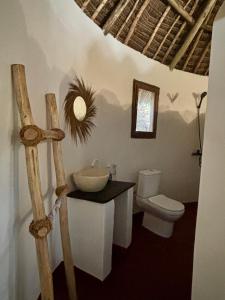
176 33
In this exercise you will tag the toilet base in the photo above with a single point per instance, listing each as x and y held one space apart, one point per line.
157 225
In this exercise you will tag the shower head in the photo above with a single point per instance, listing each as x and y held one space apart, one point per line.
202 96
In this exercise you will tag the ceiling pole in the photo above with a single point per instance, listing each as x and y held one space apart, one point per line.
127 19
169 31
202 56
179 8
115 15
192 33
132 28
156 29
193 49
188 17
85 4
98 9
178 33
197 40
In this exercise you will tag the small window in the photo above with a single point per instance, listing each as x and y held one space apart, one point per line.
144 110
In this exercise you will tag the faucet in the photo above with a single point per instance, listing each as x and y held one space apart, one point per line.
94 163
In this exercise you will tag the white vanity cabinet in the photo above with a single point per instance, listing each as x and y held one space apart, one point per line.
98 220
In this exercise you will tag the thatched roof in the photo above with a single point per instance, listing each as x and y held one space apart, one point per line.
176 33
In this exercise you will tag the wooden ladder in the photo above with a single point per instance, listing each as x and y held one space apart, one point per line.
31 135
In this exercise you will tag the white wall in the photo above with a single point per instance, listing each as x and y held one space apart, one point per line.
209 255
55 40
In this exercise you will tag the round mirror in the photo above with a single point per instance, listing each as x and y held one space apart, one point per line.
79 108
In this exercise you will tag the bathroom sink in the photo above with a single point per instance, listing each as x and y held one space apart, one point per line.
91 179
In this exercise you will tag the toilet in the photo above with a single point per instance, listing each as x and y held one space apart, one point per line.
160 212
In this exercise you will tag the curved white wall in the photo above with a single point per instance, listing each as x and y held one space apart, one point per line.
209 254
55 40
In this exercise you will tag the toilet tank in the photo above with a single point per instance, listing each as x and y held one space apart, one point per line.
148 183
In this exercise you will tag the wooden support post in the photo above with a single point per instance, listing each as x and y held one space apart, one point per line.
115 15
192 33
63 213
31 152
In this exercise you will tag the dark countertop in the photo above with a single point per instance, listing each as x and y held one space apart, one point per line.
111 191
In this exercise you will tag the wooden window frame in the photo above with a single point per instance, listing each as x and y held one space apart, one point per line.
154 89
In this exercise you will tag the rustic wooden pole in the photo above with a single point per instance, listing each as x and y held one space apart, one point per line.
179 8
128 18
188 17
156 30
169 31
115 15
98 9
31 152
135 22
63 212
192 33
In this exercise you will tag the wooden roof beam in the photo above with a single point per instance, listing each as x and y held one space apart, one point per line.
192 33
179 8
169 31
98 9
134 24
85 4
179 33
188 18
114 15
127 19
156 29
197 40
207 48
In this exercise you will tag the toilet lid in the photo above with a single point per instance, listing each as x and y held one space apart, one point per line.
166 203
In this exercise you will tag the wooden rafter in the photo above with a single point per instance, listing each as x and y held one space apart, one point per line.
178 34
188 17
127 19
134 24
197 40
179 8
115 15
192 33
85 4
156 29
193 49
98 9
207 48
169 31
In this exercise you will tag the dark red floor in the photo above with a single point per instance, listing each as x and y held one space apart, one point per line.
153 268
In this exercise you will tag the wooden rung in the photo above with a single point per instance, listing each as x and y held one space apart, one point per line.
32 135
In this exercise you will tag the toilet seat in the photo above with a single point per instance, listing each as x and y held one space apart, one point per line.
166 203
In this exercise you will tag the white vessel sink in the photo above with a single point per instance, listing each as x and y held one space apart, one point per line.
91 179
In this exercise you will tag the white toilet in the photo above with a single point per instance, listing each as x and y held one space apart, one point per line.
160 212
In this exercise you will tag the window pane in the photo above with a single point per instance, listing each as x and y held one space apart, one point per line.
145 111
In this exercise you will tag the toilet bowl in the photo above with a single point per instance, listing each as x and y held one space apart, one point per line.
160 212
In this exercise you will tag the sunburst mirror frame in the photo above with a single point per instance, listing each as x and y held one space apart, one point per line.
79 129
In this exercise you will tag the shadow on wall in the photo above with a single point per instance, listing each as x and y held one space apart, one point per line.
169 152
111 143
